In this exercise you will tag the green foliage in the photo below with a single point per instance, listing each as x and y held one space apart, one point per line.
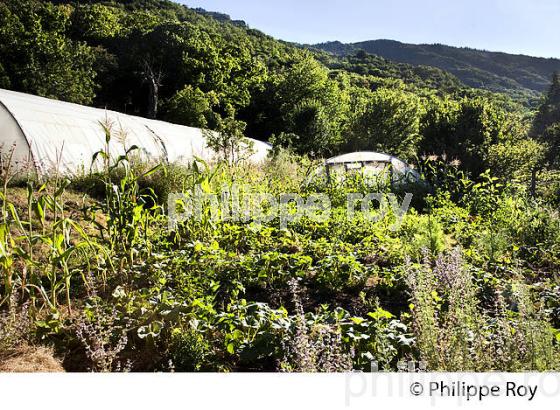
37 55
312 108
106 280
163 60
96 22
478 126
425 233
365 64
547 120
220 295
480 135
515 159
192 107
388 123
549 111
522 77
228 140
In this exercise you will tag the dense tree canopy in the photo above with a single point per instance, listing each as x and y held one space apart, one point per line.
389 122
163 60
38 57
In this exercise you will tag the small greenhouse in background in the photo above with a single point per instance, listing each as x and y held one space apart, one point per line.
371 165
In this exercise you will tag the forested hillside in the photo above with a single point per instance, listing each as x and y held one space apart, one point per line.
163 60
493 71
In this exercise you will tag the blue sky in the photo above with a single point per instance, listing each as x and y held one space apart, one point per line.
516 26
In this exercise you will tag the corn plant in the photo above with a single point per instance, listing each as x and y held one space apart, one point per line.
128 217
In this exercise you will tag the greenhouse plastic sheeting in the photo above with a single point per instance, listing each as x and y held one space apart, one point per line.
65 136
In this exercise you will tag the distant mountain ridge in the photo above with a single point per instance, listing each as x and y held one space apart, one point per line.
495 71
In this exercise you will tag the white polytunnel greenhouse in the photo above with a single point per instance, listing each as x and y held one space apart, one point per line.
372 165
46 134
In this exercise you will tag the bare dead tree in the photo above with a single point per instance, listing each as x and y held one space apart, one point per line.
154 80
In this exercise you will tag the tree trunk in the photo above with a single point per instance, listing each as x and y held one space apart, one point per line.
533 188
154 82
153 97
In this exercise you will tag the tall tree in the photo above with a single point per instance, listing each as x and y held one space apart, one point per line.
312 108
546 126
549 111
388 123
